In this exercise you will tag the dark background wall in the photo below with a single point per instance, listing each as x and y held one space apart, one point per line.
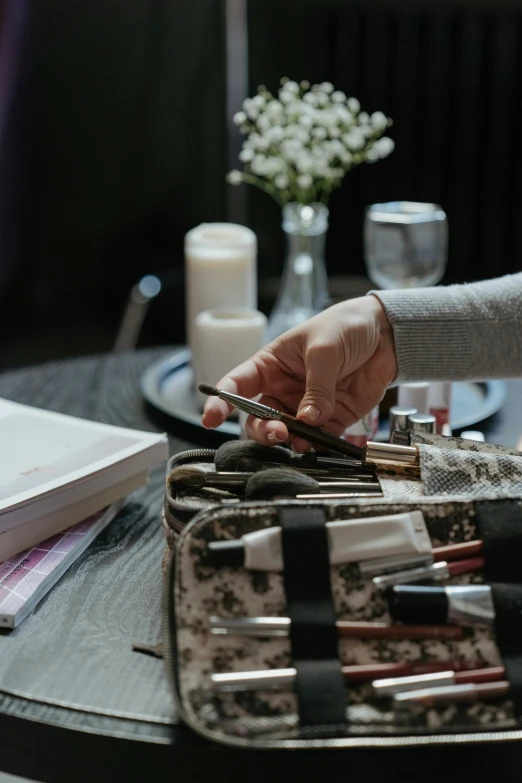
450 76
113 144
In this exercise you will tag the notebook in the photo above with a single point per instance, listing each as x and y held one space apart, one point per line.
56 470
27 577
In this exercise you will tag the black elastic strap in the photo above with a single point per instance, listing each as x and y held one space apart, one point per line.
500 528
313 634
507 600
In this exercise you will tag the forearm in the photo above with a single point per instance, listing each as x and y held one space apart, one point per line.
461 332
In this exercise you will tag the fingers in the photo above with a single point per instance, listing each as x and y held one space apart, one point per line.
244 380
271 432
322 371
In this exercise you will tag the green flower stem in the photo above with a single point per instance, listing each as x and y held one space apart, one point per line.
251 179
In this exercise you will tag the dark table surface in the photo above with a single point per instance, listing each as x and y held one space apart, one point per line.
78 704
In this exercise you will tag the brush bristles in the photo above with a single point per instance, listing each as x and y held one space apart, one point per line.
207 388
184 478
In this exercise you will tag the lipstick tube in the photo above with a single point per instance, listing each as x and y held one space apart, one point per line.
436 572
453 694
349 541
284 679
390 686
270 627
460 604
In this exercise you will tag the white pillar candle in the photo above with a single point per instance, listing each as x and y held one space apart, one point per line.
225 338
220 270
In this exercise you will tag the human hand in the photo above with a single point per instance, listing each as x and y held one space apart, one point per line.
330 371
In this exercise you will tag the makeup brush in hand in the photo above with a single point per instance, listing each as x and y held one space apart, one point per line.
294 425
387 457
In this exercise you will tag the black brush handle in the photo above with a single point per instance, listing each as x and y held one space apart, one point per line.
321 437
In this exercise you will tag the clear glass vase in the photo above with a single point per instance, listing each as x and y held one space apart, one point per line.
304 286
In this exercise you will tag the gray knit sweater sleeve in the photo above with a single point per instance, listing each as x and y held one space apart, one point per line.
460 332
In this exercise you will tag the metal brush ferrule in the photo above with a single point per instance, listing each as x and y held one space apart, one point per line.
391 452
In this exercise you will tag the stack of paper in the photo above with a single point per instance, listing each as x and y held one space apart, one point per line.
57 470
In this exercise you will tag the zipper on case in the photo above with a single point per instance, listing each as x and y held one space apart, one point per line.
184 510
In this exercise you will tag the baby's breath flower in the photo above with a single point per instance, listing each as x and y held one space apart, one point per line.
343 114
263 122
234 177
304 164
354 139
322 99
302 141
258 165
385 146
304 181
239 118
379 120
372 155
285 96
292 87
274 107
310 98
302 135
252 111
274 134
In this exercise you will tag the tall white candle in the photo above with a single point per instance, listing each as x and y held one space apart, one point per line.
220 270
225 338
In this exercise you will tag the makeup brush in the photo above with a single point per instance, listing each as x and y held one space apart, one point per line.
285 679
249 456
294 425
433 572
387 457
187 477
264 483
267 484
384 688
346 629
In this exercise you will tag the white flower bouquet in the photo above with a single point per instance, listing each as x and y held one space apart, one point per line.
300 144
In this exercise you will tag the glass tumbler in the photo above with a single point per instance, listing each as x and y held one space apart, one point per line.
405 244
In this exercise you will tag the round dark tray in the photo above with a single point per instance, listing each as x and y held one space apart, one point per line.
167 386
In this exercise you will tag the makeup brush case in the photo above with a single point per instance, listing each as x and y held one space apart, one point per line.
315 706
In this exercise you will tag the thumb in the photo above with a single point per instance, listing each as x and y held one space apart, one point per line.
322 371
